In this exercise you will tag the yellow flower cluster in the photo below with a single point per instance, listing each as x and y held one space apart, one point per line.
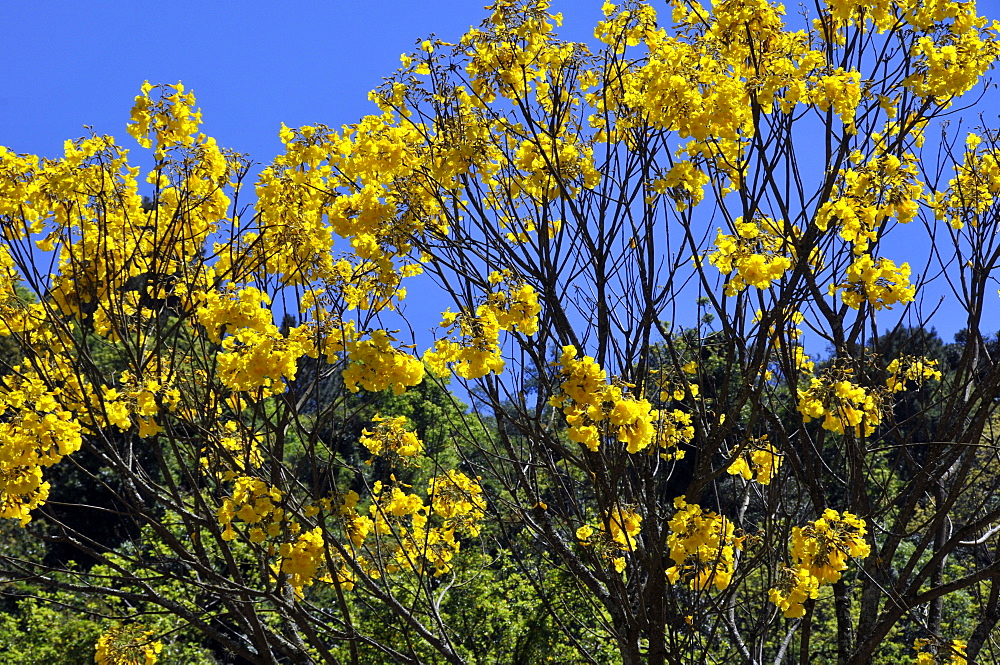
356 527
37 431
47 407
678 88
391 439
171 120
554 167
951 62
673 428
256 504
801 361
879 283
702 545
235 308
760 252
705 84
477 351
973 190
910 368
842 405
868 194
819 553
590 403
127 645
138 398
683 182
304 561
376 365
260 359
459 500
472 347
935 651
303 557
405 539
515 51
759 461
517 307
398 535
618 534
822 547
375 185
793 587
455 496
840 90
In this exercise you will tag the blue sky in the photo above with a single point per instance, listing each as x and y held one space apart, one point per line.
252 65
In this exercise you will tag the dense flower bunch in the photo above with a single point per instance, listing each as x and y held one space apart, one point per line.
865 198
880 283
138 399
127 645
974 188
356 527
589 403
669 86
822 547
819 554
37 431
459 500
546 163
405 535
793 587
472 348
886 187
949 59
702 545
256 504
517 307
234 308
939 652
375 364
476 352
303 561
330 184
910 369
952 62
841 404
391 438
758 461
166 122
264 360
759 253
616 536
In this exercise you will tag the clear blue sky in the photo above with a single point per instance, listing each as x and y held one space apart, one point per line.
252 65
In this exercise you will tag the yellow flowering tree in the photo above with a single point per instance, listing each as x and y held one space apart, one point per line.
637 250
